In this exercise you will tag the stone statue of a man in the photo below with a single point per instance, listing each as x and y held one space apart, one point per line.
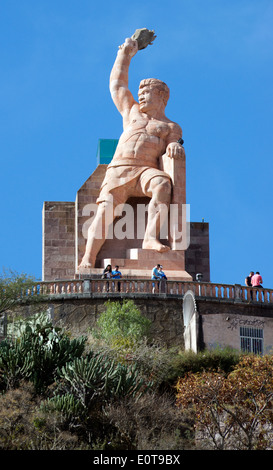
134 169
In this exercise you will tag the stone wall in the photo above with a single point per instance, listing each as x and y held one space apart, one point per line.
198 254
58 250
80 315
217 321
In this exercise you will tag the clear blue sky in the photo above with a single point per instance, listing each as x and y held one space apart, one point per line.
217 58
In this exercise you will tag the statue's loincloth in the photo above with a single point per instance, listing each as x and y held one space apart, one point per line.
124 181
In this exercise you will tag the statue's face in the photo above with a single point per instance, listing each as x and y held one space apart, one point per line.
148 98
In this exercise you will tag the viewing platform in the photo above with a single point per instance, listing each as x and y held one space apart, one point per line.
144 287
190 315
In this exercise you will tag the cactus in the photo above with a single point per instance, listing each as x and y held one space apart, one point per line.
11 365
43 355
66 404
36 354
95 377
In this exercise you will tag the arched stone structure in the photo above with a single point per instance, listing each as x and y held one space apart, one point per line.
190 318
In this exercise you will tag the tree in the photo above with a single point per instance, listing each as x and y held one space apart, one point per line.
14 287
233 411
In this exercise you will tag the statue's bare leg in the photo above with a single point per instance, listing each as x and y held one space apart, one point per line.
97 234
160 189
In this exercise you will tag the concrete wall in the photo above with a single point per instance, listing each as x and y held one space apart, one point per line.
221 321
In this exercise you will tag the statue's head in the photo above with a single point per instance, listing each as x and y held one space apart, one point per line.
159 87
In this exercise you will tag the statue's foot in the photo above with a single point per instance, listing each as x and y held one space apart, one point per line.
155 245
85 264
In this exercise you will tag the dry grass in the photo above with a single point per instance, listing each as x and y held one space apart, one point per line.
151 422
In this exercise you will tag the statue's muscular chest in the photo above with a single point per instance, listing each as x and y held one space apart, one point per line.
147 127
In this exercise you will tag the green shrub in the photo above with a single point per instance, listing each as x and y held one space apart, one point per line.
217 359
122 324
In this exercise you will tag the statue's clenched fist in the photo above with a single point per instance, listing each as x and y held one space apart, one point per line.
129 47
175 150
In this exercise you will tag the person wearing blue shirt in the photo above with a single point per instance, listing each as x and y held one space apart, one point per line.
155 275
116 274
155 272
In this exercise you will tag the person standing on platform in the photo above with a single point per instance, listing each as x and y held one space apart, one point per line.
256 280
248 282
155 275
116 274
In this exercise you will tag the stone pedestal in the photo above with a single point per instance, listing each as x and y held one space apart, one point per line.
139 263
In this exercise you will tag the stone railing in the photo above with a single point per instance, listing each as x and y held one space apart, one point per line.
96 287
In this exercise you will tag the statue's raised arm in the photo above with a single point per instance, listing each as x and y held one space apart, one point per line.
120 92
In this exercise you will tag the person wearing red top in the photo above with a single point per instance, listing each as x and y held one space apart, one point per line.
256 280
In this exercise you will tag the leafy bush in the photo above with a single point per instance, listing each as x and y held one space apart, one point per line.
122 324
217 359
232 411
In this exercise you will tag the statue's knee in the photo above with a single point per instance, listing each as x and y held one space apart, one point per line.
167 186
160 183
162 190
